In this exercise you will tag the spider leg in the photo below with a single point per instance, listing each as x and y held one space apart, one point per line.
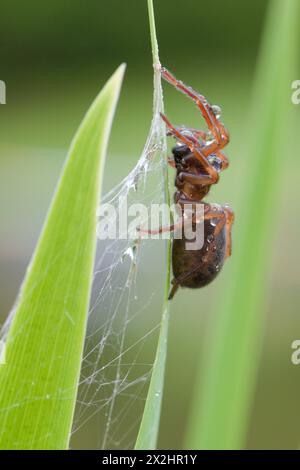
197 180
171 162
216 127
174 289
222 156
195 149
226 216
197 132
194 134
219 214
170 228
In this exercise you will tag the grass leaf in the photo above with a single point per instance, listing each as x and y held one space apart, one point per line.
38 383
148 432
220 411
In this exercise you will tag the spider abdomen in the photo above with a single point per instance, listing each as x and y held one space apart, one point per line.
197 268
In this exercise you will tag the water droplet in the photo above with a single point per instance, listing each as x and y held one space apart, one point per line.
214 248
210 238
187 133
214 222
215 161
209 136
217 267
217 111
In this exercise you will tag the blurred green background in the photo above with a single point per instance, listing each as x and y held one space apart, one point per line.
55 56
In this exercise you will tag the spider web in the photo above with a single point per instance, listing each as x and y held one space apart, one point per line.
125 309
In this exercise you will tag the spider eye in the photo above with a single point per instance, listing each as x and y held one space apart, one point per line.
217 111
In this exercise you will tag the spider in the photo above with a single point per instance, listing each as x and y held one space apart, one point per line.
198 160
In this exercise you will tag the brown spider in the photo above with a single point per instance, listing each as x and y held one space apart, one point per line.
198 160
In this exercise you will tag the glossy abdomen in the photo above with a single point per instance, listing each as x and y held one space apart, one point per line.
197 268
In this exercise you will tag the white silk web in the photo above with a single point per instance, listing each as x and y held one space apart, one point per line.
125 310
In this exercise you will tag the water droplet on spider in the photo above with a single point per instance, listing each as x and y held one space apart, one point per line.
217 110
209 136
217 267
215 161
214 248
210 238
187 133
214 222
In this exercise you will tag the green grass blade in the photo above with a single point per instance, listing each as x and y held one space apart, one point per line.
220 411
44 345
148 432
